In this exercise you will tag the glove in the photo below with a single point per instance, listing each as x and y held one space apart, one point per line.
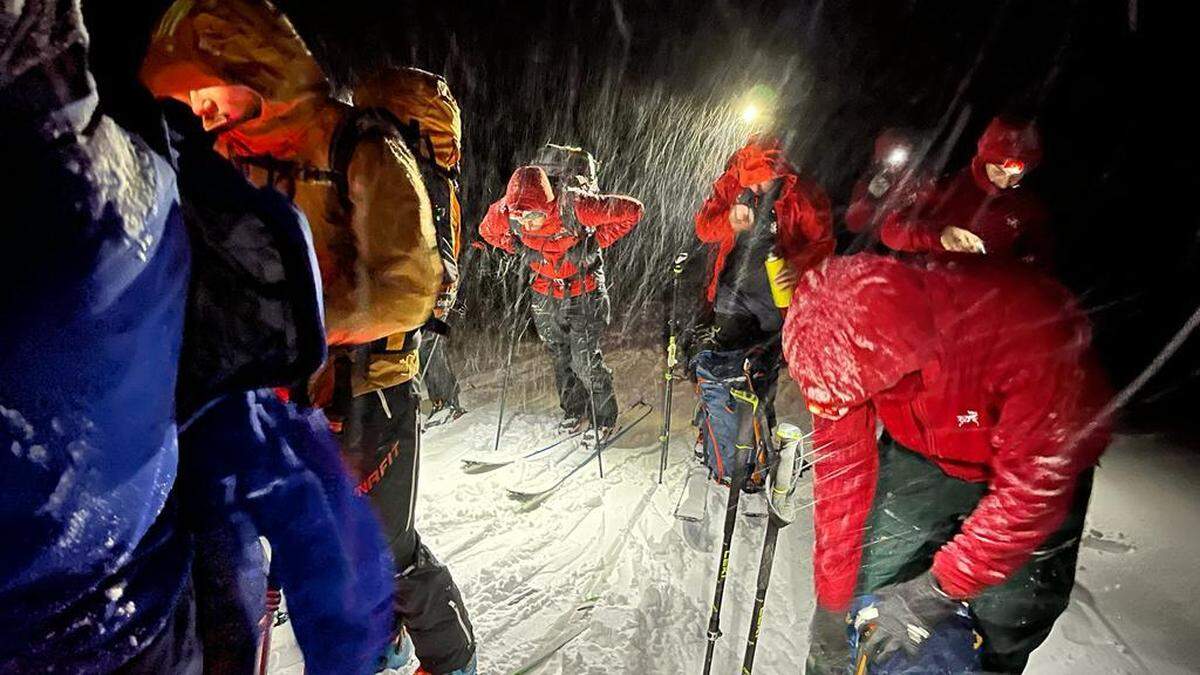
828 643
908 613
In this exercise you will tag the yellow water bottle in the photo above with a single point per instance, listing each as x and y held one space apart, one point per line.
782 295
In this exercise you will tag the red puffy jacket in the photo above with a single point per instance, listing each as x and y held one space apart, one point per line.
802 211
1011 222
608 217
983 367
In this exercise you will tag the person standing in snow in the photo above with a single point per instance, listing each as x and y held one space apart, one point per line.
981 373
983 209
561 237
245 72
758 207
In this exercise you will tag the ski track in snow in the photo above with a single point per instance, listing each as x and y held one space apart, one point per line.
599 577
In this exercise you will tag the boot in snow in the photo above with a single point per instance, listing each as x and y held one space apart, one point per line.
786 473
572 424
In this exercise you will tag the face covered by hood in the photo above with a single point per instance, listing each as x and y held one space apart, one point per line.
856 327
241 53
529 190
1007 141
760 160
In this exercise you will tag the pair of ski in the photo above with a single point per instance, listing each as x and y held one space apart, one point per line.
692 507
543 470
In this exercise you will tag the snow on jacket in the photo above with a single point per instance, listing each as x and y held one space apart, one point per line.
378 254
1012 222
805 225
983 367
556 251
93 276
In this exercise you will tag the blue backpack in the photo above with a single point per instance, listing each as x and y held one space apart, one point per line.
726 397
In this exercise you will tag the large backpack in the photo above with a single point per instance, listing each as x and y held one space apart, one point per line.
419 105
727 399
568 167
423 109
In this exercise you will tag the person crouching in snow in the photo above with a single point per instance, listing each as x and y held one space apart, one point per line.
982 374
554 235
983 209
760 206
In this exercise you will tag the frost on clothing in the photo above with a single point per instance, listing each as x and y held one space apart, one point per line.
1012 222
555 252
91 318
983 367
802 211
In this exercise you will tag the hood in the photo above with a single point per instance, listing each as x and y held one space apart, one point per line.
761 159
529 190
205 43
856 327
1008 138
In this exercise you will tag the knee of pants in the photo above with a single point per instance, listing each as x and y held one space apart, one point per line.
590 367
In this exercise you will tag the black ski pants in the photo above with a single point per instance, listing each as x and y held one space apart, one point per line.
571 329
381 441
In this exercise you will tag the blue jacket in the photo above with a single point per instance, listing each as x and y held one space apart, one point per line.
120 312
91 320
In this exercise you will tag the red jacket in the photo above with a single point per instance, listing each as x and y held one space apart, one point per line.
867 211
1011 222
552 248
805 234
983 367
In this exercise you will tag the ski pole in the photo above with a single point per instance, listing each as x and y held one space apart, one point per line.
668 374
274 599
512 343
766 562
742 454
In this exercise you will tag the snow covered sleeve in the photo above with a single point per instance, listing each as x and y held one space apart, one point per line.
846 466
1048 431
494 228
612 216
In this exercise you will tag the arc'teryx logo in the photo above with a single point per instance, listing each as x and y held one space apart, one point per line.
972 417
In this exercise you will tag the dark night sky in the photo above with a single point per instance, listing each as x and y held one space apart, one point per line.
527 73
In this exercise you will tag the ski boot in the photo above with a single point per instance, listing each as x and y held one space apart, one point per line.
785 475
572 424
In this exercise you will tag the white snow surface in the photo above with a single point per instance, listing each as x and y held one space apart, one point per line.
599 577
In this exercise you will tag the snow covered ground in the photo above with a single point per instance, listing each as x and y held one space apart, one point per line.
599 577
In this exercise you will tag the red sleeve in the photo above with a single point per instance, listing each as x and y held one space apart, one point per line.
1049 395
862 208
611 216
847 464
904 231
712 220
494 229
811 239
